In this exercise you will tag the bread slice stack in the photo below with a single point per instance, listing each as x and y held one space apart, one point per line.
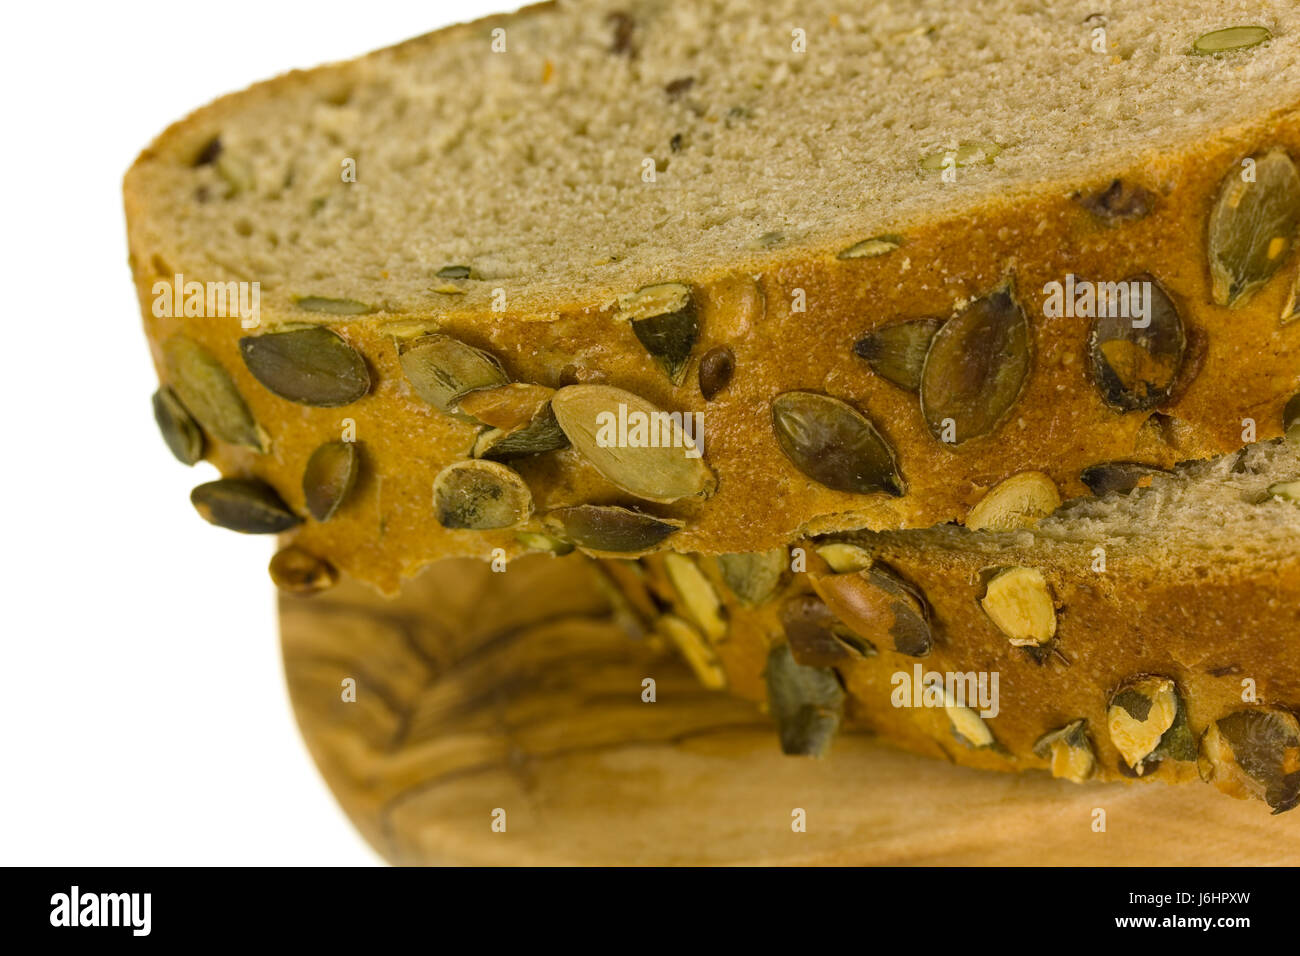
727 279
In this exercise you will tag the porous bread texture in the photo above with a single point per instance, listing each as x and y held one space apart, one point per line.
1200 584
529 175
527 165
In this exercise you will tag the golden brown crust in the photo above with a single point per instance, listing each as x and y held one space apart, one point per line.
1243 364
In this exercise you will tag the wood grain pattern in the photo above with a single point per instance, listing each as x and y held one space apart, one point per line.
478 691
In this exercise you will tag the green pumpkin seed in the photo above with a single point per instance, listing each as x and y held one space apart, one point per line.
311 366
717 366
753 577
243 504
329 477
1119 202
442 369
967 154
1136 369
897 352
536 541
1120 477
611 528
542 434
834 444
665 321
1291 418
1069 751
1258 749
317 303
806 702
295 571
976 367
1252 228
870 248
816 638
179 429
454 272
635 445
1148 722
206 389
480 496
879 606
1229 40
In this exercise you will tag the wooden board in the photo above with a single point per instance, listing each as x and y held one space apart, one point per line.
481 692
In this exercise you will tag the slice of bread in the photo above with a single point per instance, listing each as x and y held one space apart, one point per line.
791 182
1147 627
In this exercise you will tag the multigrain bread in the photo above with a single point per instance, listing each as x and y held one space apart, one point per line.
720 208
1152 633
503 719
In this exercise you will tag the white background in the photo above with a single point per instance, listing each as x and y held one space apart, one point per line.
143 713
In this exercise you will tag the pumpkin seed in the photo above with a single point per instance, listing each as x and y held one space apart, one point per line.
1020 501
311 366
870 248
541 435
976 367
454 272
1120 477
536 541
1291 310
879 606
1147 721
635 445
967 725
480 496
716 368
243 504
1019 603
692 646
1135 369
844 557
806 702
753 577
611 528
508 407
1252 228
1284 490
834 444
698 596
1069 752
442 369
665 321
318 303
1230 39
295 571
206 389
179 429
966 154
1291 417
1255 753
816 637
1119 202
897 352
328 479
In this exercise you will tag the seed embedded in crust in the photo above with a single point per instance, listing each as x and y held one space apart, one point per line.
1019 602
967 724
753 577
609 528
1119 477
816 637
1020 501
301 573
1069 752
537 541
897 352
1119 202
716 368
1252 228
206 389
834 444
975 369
1147 722
805 702
443 369
247 505
880 607
329 477
666 322
1254 753
644 450
312 366
844 557
698 596
871 248
1136 368
179 429
480 496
